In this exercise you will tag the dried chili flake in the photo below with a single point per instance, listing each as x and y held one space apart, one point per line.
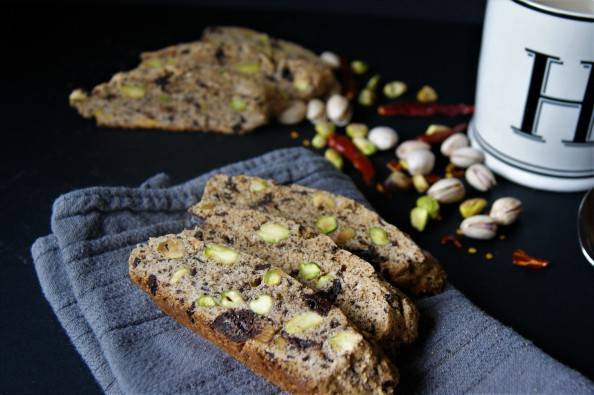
489 256
440 137
294 134
394 165
432 178
413 109
453 171
349 88
306 143
345 147
450 239
521 258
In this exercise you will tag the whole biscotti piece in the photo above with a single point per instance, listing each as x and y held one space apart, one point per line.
350 224
260 315
378 309
166 96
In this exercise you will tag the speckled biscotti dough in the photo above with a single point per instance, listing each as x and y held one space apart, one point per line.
165 96
379 310
350 224
298 72
259 315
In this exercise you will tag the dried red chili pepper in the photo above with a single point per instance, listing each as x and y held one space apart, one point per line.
521 258
447 239
344 146
453 171
432 178
439 137
349 87
413 109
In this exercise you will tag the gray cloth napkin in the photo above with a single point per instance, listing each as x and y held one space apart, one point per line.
132 347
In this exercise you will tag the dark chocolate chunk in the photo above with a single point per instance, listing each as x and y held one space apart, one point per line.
262 266
190 312
220 55
287 74
332 293
193 272
152 283
136 262
237 325
264 201
317 303
300 343
370 255
163 81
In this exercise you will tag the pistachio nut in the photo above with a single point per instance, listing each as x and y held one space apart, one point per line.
398 180
506 210
480 177
179 273
436 128
359 67
344 235
410 146
356 130
309 271
262 304
338 109
426 94
302 322
447 190
384 137
318 141
325 129
466 156
272 277
430 204
420 183
378 236
471 207
365 146
273 233
366 97
419 217
221 254
345 119
481 227
331 59
394 89
294 113
231 299
334 157
420 162
344 342
316 111
452 143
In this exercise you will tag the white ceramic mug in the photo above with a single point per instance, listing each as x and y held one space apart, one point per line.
535 94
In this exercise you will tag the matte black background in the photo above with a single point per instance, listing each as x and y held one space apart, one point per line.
47 150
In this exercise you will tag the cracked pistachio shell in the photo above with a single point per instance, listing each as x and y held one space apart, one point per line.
481 227
480 177
447 190
506 210
409 146
452 143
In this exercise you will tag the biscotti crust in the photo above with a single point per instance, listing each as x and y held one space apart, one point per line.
401 261
152 269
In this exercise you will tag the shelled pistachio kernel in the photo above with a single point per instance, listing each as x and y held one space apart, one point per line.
366 97
471 207
302 85
258 185
334 157
344 235
319 141
430 204
206 301
221 254
273 233
309 271
77 95
326 224
231 299
322 200
324 281
238 104
272 277
356 130
420 183
472 250
378 236
132 91
365 146
302 322
419 216
248 68
426 94
394 89
344 342
154 63
325 129
171 248
373 82
359 67
398 180
261 305
436 128
179 273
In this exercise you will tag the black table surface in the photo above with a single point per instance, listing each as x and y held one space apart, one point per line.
47 150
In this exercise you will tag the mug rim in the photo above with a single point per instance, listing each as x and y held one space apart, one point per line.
537 6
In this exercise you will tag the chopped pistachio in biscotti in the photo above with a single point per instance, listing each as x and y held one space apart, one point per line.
377 308
350 224
282 330
166 96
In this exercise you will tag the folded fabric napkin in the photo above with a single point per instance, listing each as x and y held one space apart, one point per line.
132 347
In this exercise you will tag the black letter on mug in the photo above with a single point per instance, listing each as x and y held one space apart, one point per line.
538 81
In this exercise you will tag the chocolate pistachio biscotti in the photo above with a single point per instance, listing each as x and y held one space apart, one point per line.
381 311
259 315
350 224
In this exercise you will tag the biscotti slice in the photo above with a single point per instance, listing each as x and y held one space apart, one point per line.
299 72
260 315
350 224
378 309
164 96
